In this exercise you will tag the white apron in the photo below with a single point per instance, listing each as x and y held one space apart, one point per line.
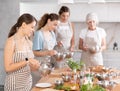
64 34
92 59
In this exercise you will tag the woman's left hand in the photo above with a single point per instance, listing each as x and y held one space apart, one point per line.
34 64
92 51
71 49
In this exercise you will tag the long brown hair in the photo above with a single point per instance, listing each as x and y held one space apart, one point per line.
27 18
64 9
45 18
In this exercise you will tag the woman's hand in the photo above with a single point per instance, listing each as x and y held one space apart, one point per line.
34 64
52 52
92 51
95 49
85 48
59 44
71 49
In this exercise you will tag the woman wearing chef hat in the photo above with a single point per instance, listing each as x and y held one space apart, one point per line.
92 41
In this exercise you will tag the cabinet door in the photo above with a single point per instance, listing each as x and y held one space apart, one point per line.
112 59
38 9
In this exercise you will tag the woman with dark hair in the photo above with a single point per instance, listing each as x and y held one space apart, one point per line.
44 39
65 31
18 56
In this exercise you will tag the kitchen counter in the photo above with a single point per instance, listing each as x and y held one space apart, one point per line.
56 76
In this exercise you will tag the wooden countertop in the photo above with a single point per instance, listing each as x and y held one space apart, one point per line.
56 75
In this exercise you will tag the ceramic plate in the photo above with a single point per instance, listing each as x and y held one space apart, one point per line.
43 85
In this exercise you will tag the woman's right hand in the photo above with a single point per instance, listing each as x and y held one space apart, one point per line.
85 48
52 52
59 43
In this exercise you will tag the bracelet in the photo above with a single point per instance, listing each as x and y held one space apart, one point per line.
26 59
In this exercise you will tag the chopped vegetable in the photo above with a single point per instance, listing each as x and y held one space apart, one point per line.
74 65
61 87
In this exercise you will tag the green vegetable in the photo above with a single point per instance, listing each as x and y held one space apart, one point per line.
61 87
66 88
88 87
74 65
85 87
97 88
58 87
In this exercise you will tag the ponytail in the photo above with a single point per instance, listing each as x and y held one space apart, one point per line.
43 21
45 18
27 18
13 30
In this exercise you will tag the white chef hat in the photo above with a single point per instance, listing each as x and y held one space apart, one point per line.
92 16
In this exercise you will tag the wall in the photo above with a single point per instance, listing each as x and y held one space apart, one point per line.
9 12
111 28
107 12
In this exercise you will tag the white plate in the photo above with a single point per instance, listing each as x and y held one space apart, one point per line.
43 85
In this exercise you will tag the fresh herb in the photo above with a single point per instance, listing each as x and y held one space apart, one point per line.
66 88
61 87
97 88
75 65
88 87
89 75
85 87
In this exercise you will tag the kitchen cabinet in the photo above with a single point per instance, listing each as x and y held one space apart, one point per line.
37 9
107 12
86 1
112 58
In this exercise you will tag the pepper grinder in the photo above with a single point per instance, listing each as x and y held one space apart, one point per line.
115 46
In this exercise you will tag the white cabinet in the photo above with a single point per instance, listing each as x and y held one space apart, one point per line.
113 12
38 9
112 1
112 59
86 1
107 12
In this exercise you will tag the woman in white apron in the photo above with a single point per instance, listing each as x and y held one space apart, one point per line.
65 32
92 42
65 29
44 41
